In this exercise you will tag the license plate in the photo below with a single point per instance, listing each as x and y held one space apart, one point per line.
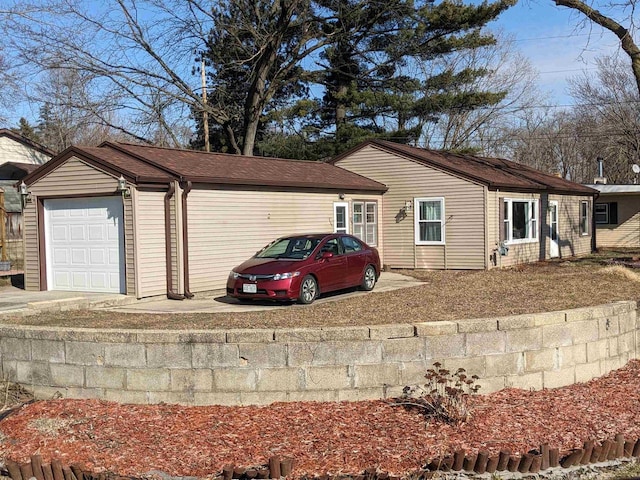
249 288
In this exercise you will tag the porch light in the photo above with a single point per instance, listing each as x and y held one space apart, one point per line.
25 194
123 188
408 205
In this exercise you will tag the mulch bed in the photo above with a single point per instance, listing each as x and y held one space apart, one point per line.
322 438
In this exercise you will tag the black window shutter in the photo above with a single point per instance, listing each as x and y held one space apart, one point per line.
501 218
613 213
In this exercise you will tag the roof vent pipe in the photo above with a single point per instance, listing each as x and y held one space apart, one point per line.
600 167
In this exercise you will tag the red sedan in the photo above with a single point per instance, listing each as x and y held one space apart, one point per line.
300 267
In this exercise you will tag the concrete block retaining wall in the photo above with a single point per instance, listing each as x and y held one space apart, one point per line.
326 364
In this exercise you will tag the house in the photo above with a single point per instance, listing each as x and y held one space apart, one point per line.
149 221
617 215
451 211
21 150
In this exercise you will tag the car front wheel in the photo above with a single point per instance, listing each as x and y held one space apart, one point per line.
369 278
308 290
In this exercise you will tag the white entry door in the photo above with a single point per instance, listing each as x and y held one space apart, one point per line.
554 247
85 244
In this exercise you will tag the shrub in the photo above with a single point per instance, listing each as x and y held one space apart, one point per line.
444 397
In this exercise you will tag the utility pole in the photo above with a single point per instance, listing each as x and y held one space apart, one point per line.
205 113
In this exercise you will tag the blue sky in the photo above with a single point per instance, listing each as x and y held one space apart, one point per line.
551 38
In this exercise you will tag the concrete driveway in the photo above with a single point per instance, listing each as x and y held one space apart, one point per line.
17 301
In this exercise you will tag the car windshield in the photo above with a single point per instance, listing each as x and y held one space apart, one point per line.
293 248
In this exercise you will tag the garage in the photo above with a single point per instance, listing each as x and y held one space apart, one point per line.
85 244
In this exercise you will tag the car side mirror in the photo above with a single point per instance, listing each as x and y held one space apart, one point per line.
326 255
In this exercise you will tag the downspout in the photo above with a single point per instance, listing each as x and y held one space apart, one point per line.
594 244
185 239
167 242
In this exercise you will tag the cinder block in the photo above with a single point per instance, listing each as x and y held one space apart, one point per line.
216 398
105 377
627 322
368 376
280 379
329 334
527 381
327 378
549 318
262 398
16 348
169 355
491 384
263 354
516 322
202 336
258 335
189 380
124 355
478 325
357 395
471 365
158 336
48 351
332 353
572 355
313 396
608 326
148 379
613 347
412 373
428 329
126 396
67 375
107 336
523 340
611 363
584 332
235 379
214 355
586 313
597 350
33 373
177 398
286 335
587 371
627 343
504 364
403 349
623 306
443 346
9 331
485 343
540 360
557 335
84 353
9 370
383 332
559 378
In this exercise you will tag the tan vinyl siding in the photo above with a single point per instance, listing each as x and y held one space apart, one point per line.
227 227
150 241
571 242
464 211
12 151
73 177
626 233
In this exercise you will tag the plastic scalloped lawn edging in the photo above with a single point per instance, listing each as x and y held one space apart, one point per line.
534 461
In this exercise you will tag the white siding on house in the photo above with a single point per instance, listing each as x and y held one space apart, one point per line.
150 244
12 151
626 233
464 246
226 227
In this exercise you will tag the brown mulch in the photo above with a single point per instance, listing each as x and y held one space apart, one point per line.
323 438
445 295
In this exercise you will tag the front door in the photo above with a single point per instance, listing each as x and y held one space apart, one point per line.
554 248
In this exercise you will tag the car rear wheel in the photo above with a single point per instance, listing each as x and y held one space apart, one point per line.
369 278
308 290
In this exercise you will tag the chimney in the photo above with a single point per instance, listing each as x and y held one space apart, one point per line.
600 178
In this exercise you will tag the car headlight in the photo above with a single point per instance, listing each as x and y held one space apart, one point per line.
285 276
233 275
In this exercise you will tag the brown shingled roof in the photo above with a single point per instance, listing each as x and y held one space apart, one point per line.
220 168
493 172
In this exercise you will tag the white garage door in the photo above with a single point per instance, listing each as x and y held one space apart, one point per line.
85 244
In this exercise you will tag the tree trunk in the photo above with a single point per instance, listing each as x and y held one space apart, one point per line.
626 41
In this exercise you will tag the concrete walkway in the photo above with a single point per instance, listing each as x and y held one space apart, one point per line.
14 300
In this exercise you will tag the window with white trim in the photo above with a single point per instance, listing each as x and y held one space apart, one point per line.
365 222
584 218
602 213
520 224
429 221
340 217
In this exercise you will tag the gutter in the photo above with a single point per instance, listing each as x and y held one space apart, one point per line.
594 244
171 294
186 188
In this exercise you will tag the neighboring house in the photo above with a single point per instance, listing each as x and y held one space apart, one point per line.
617 215
181 222
13 209
16 148
450 211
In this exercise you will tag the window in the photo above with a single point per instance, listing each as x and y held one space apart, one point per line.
340 216
429 221
365 222
350 244
519 220
606 213
584 218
